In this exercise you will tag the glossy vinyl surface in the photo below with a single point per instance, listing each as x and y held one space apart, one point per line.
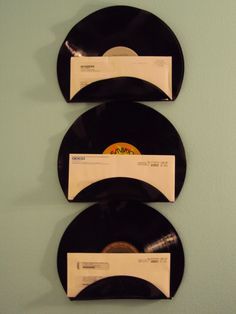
139 125
126 26
132 222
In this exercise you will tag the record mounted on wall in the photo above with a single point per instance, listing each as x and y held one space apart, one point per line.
120 227
121 128
120 52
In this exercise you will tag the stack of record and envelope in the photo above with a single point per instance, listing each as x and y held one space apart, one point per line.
121 154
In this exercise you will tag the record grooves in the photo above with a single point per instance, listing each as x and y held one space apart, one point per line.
120 26
145 131
133 223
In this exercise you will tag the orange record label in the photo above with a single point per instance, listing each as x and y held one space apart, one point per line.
122 148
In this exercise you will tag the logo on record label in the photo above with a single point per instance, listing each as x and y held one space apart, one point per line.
122 148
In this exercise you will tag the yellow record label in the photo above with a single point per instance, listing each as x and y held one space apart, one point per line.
122 148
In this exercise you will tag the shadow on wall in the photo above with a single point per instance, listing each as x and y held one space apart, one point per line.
46 57
49 188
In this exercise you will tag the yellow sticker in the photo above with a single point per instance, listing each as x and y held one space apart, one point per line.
122 148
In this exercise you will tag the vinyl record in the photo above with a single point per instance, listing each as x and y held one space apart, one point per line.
140 127
121 227
120 30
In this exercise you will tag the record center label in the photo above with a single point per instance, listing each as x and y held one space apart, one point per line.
84 269
120 51
122 148
155 70
156 170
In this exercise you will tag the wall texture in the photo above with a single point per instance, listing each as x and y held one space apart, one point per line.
34 118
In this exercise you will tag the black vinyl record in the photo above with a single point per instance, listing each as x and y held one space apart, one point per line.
138 31
121 227
142 127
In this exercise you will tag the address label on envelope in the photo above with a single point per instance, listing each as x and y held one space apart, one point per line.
84 269
156 70
156 170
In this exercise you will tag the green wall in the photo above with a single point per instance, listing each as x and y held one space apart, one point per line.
34 117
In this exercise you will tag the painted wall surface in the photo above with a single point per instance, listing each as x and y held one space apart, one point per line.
34 117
